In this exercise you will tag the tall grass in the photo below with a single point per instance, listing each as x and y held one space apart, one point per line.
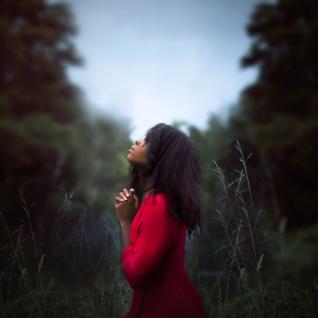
73 272
245 265
245 279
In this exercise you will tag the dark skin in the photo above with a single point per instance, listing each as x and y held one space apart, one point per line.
126 202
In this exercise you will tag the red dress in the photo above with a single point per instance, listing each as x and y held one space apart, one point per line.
153 265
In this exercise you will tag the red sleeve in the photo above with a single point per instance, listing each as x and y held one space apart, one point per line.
155 233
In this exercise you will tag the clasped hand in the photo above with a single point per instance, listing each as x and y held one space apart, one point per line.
126 204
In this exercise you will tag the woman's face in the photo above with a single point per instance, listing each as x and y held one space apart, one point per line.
137 152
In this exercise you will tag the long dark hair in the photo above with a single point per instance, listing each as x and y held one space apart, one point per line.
173 167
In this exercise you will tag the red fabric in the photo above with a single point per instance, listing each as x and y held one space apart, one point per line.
153 265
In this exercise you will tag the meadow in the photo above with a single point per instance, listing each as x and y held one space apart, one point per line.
247 265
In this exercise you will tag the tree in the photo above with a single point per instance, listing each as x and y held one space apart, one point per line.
41 110
280 110
35 50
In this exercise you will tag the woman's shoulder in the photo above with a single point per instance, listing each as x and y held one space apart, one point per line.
155 200
156 206
156 197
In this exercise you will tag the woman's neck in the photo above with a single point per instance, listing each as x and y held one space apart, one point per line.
147 184
146 192
147 187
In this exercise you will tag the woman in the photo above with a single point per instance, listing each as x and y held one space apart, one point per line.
160 204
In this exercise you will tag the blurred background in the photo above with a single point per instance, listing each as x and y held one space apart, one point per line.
82 80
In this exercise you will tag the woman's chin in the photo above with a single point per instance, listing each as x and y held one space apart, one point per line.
128 157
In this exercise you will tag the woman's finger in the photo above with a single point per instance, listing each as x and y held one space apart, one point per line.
126 192
117 199
120 199
123 195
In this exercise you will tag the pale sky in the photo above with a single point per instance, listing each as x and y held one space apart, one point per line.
164 60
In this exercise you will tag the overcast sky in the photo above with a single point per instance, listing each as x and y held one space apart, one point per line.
161 60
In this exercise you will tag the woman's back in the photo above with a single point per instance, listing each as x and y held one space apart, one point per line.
154 265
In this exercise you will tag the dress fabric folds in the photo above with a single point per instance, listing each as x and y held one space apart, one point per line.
153 265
